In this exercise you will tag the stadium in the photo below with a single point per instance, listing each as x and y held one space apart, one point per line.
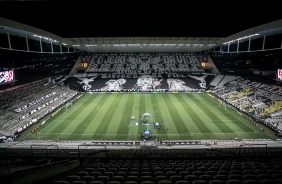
148 110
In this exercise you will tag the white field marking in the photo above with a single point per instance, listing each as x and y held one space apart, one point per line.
207 133
91 134
153 105
200 110
63 113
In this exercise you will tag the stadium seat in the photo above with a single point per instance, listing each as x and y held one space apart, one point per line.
130 182
233 181
61 182
158 178
78 182
182 182
95 182
199 182
87 178
117 178
164 182
217 182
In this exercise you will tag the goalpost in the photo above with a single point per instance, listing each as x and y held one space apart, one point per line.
222 103
67 106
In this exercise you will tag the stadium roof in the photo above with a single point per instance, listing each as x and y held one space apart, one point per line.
143 28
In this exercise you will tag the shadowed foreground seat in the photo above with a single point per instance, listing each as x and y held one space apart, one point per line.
60 182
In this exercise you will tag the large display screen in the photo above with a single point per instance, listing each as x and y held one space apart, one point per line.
6 77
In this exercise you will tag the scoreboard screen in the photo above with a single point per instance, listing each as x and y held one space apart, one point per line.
6 77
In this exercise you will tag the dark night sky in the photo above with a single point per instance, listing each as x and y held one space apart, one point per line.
140 18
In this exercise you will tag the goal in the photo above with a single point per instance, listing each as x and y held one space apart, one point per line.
68 105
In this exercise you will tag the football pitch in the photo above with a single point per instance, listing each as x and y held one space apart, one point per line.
182 116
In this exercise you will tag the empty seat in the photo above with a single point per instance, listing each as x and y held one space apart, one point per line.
105 179
119 173
164 182
170 173
235 172
147 182
132 178
130 182
233 181
73 178
250 181
95 182
158 178
146 173
276 176
249 176
159 173
89 169
179 169
199 182
61 182
220 177
182 182
95 174
175 178
191 177
107 173
210 172
248 172
267 181
146 178
216 182
101 170
234 177
78 182
263 176
82 173
114 170
133 173
198 173
117 178
202 168
157 169
121 169
184 173
205 177
222 172
87 178
146 169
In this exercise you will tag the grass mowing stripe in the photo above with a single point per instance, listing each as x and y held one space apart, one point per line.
53 122
116 120
203 105
89 115
96 116
161 132
177 120
78 121
187 120
135 111
142 110
126 120
195 117
203 116
64 123
168 123
181 103
107 114
150 110
242 124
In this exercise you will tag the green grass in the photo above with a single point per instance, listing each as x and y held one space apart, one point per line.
183 116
